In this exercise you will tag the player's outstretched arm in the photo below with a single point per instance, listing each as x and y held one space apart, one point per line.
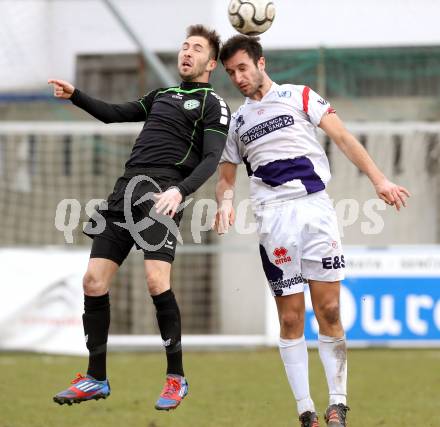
133 111
389 192
224 193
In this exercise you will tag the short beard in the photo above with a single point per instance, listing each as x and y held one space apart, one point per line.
257 86
197 74
187 78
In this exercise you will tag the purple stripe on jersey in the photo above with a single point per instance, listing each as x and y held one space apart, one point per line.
279 172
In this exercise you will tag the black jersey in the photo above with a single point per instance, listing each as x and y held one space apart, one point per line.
185 128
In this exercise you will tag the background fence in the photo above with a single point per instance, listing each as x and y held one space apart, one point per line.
218 281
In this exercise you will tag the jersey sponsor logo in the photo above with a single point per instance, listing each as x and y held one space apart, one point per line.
191 104
333 263
281 256
284 94
266 128
177 96
281 284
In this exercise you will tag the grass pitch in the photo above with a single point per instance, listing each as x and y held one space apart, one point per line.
397 388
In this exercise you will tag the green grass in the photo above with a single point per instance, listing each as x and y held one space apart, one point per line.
398 388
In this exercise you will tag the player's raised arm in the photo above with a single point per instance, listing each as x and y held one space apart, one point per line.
224 194
389 192
134 111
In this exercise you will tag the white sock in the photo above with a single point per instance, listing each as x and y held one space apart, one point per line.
295 358
333 353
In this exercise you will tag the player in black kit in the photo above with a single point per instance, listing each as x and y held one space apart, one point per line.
177 150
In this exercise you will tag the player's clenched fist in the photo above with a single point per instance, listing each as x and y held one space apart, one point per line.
61 88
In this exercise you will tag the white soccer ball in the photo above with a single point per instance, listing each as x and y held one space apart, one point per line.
251 17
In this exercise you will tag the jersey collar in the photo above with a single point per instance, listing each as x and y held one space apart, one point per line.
273 88
194 85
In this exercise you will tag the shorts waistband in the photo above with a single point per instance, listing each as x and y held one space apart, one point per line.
276 203
161 172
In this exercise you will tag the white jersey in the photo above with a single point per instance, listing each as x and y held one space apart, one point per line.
276 139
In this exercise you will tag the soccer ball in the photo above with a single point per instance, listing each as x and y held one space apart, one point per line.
251 17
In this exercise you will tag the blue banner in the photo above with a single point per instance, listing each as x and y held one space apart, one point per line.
391 296
376 309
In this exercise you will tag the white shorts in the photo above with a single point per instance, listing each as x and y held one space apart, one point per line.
299 241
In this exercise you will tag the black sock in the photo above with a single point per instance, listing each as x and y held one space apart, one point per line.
96 321
168 318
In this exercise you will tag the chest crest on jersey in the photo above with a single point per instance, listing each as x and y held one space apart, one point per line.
191 104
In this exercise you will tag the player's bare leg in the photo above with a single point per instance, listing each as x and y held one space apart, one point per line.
168 318
96 320
293 352
158 275
291 310
332 347
100 271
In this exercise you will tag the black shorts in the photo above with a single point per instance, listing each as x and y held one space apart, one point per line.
116 229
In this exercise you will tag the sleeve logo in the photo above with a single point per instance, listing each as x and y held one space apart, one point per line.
284 94
224 118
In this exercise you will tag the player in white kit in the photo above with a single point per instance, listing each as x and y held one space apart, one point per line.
274 134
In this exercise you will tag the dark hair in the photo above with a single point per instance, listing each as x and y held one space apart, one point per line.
250 45
210 35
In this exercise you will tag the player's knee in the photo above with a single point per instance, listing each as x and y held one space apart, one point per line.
291 320
93 285
156 282
330 313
